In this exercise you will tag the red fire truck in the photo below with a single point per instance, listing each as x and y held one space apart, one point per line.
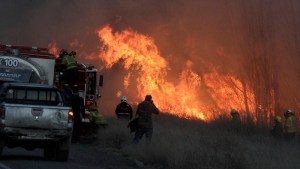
37 65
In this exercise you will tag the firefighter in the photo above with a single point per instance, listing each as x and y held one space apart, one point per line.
69 67
79 113
235 120
62 53
277 130
144 115
67 94
97 120
123 109
289 125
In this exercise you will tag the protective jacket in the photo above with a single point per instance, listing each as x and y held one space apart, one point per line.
290 124
144 112
96 117
69 62
277 131
124 110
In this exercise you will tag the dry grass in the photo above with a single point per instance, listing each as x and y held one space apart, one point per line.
181 144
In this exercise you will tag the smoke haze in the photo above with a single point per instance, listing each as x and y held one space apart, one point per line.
256 41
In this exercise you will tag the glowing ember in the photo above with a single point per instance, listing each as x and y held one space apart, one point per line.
148 70
119 94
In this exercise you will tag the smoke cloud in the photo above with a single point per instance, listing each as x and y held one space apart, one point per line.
257 41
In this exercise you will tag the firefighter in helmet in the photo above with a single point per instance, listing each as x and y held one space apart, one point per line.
69 67
62 53
289 125
277 131
235 120
123 109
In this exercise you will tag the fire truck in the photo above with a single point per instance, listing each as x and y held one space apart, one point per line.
30 64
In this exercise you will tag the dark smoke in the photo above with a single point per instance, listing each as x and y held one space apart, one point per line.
255 40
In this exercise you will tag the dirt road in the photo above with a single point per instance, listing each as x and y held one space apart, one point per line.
82 156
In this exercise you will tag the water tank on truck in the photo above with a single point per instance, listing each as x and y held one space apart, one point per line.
26 64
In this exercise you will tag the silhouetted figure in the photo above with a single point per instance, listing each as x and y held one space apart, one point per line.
144 114
79 113
69 67
290 125
277 130
235 120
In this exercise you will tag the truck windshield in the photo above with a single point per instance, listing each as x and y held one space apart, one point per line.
32 96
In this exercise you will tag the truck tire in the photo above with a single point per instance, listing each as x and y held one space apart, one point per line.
49 153
62 155
62 151
1 150
2 144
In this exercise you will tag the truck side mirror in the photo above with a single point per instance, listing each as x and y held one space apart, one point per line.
101 80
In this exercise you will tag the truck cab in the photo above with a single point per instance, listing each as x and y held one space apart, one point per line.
35 116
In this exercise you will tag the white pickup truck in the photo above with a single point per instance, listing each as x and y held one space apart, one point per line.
34 116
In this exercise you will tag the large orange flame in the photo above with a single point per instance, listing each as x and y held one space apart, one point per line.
141 57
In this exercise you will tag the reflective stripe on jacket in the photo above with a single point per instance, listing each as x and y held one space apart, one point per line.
124 109
69 62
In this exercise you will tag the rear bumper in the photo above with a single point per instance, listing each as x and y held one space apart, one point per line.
34 134
33 138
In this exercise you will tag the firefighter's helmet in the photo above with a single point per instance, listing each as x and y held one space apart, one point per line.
124 99
277 118
63 52
233 112
72 53
288 112
75 88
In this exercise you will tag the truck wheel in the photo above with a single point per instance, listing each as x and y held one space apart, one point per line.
2 145
62 155
49 153
1 150
62 151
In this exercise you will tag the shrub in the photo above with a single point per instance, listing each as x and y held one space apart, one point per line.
180 143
